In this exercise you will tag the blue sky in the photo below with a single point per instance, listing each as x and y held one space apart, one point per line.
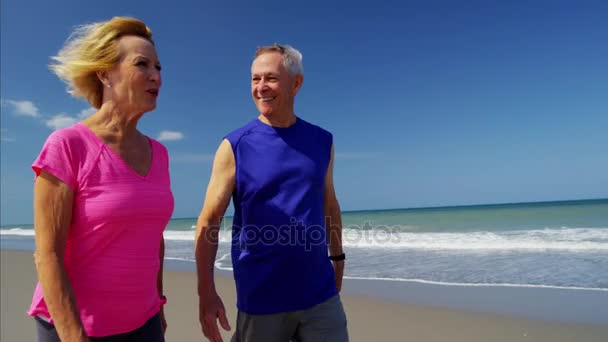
431 103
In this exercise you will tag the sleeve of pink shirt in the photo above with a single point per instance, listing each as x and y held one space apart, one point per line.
58 156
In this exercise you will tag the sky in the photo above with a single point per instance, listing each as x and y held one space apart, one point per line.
431 103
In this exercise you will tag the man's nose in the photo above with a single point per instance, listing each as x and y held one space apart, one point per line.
262 85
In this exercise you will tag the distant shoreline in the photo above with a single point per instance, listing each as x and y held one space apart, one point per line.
433 208
462 206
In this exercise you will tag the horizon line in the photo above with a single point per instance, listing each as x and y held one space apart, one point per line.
454 206
422 208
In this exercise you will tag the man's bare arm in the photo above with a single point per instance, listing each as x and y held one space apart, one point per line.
219 191
333 221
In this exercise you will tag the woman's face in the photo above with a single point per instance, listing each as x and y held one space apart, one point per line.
135 81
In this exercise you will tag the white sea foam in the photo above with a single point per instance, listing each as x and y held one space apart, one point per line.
569 239
17 232
179 235
218 265
572 239
183 235
566 239
422 281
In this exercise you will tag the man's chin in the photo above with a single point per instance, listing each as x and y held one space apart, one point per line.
266 112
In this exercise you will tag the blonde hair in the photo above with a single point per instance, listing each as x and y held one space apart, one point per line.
292 58
92 48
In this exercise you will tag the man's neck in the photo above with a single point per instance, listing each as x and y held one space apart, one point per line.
279 120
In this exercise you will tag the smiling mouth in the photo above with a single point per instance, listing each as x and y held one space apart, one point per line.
153 92
267 99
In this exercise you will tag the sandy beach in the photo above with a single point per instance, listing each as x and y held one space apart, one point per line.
370 318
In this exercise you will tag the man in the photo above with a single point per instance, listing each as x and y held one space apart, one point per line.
279 170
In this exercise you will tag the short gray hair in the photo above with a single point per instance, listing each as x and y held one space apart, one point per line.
292 58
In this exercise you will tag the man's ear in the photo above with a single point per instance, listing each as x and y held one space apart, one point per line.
297 84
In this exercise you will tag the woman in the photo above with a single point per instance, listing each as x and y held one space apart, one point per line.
102 195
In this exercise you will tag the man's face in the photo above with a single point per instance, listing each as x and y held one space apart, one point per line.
272 87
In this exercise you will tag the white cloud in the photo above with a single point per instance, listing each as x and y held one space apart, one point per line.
86 113
170 136
191 158
60 120
23 108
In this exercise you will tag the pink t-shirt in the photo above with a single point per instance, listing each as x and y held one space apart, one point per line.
118 217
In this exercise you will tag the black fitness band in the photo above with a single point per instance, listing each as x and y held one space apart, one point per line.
339 257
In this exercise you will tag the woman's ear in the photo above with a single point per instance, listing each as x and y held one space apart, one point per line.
103 78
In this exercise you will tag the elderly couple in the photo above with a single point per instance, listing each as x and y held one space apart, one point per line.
102 198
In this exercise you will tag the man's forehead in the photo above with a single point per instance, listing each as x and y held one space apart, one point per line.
265 72
265 68
268 59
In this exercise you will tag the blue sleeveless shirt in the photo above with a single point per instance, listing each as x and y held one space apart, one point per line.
279 245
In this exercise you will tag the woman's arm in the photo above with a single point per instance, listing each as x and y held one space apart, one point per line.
53 201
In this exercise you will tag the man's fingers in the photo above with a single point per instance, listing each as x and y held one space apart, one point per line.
223 319
207 329
212 332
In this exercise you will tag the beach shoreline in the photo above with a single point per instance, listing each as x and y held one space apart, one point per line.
587 306
550 245
370 315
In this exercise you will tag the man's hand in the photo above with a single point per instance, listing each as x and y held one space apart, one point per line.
339 271
210 309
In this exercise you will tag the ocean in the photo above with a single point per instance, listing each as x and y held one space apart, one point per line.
544 244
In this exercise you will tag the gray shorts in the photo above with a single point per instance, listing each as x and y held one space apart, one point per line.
322 322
